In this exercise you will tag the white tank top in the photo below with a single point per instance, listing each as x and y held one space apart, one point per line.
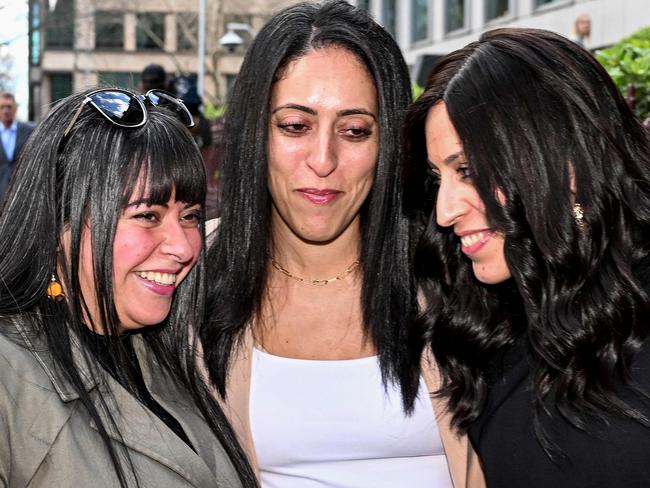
332 424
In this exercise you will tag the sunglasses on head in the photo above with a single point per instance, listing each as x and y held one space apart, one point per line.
126 109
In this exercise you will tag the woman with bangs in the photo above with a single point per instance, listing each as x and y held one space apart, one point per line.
530 177
101 274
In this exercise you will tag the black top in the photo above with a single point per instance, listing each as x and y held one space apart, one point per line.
612 455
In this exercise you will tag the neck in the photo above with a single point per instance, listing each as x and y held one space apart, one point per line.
315 260
8 124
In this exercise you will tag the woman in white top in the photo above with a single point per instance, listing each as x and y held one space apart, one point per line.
309 335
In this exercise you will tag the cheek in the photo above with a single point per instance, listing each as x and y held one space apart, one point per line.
285 158
363 163
130 248
194 240
86 259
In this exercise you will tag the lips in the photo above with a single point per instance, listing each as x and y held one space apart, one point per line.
472 242
160 282
318 196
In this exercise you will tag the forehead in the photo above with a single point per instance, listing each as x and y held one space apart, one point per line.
7 101
441 136
330 76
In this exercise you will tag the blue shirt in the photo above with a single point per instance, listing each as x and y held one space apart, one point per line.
8 136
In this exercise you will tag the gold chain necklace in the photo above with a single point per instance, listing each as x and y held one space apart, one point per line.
286 272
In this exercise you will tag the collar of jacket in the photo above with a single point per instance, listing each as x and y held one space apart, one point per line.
89 369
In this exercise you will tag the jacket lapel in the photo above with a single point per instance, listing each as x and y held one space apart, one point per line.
236 404
142 431
178 403
132 423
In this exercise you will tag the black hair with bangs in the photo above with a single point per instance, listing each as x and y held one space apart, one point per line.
542 123
82 183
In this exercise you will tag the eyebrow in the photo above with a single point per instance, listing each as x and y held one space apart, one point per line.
355 111
341 113
449 159
295 106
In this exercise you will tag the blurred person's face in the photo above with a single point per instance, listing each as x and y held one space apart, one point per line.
323 144
458 204
7 111
583 26
154 249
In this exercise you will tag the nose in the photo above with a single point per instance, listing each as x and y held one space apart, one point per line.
176 242
450 204
323 158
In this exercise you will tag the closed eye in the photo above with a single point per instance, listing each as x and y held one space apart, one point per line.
464 171
149 217
357 133
192 219
293 129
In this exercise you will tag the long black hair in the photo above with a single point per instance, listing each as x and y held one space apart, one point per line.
238 259
82 183
543 125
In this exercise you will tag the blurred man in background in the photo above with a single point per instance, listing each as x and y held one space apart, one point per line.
13 134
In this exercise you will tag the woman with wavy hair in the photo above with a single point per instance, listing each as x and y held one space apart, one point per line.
309 336
530 178
102 277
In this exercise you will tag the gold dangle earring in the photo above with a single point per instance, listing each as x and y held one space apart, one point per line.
54 289
579 215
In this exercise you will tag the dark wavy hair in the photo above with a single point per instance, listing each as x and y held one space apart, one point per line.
90 177
239 257
537 117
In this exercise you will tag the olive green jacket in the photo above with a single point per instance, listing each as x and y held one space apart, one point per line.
47 439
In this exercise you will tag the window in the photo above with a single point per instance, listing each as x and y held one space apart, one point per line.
419 20
388 16
496 8
109 30
34 33
60 86
150 31
119 79
187 31
59 26
539 3
454 15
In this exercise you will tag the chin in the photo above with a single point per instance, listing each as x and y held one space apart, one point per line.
317 233
491 276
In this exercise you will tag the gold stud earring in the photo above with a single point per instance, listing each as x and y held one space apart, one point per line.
54 289
579 215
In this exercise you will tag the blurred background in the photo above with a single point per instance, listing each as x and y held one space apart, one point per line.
51 48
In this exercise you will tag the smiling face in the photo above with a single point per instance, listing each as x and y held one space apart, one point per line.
323 145
154 249
458 204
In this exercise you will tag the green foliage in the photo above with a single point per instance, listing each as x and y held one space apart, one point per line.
211 111
416 91
628 63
